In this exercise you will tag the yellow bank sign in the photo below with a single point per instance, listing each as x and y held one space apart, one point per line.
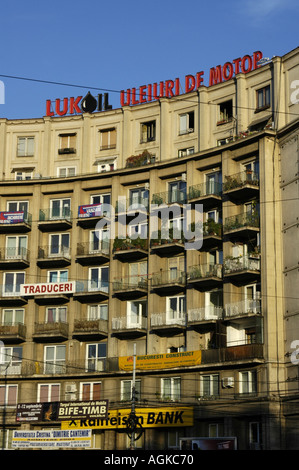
147 418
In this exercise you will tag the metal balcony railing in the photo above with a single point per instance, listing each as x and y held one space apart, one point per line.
242 263
54 214
14 253
204 271
168 277
205 313
205 189
241 221
239 180
58 327
94 247
16 217
170 197
131 282
92 286
132 204
51 251
170 317
129 322
242 307
126 244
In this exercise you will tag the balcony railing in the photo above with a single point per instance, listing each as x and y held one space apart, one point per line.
50 251
204 271
16 330
129 322
236 222
92 286
239 180
131 282
52 328
130 204
14 253
168 277
245 306
126 244
14 218
242 263
168 318
167 197
205 313
94 247
51 214
205 189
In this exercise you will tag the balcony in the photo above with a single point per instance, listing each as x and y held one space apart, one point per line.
132 287
246 307
130 326
91 253
90 214
242 269
170 197
90 329
131 206
168 244
202 316
168 282
53 220
14 258
241 353
51 331
15 222
129 249
53 256
212 235
242 225
208 194
242 186
10 295
91 291
168 323
205 276
13 333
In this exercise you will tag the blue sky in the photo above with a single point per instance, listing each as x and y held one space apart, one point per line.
123 44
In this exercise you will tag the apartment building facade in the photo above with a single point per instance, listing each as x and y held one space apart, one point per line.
87 287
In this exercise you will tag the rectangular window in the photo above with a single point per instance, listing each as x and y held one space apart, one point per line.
54 359
8 395
171 388
209 385
59 244
67 144
139 197
104 200
126 390
60 208
25 147
177 192
13 316
98 312
176 309
48 393
64 172
263 98
12 282
96 357
18 206
16 247
185 152
136 313
90 391
56 315
248 382
23 175
57 276
225 112
148 131
108 139
99 279
187 123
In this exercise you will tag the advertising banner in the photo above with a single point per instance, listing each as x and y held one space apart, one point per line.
85 409
147 418
208 443
52 439
48 288
90 210
11 217
161 361
29 412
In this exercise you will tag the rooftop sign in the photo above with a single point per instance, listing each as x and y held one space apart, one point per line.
154 91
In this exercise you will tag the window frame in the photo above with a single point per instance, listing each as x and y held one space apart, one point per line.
175 395
27 152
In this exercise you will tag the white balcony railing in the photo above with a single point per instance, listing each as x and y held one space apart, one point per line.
168 318
243 307
205 313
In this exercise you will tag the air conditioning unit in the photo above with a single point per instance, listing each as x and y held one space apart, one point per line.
227 382
70 388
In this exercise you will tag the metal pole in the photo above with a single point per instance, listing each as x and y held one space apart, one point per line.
132 446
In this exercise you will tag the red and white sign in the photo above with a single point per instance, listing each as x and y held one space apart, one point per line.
49 288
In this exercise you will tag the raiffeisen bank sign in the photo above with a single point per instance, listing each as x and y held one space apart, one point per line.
154 91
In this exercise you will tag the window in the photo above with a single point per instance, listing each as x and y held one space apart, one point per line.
213 183
177 192
105 200
263 98
136 313
99 240
138 196
8 395
98 312
56 315
13 316
48 393
126 390
99 279
225 112
25 147
255 435
96 357
23 175
176 308
186 151
12 282
171 388
176 268
16 247
60 208
54 359
252 170
138 273
18 206
138 231
108 139
67 144
57 276
109 164
248 382
59 244
90 391
209 385
187 123
63 172
148 131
